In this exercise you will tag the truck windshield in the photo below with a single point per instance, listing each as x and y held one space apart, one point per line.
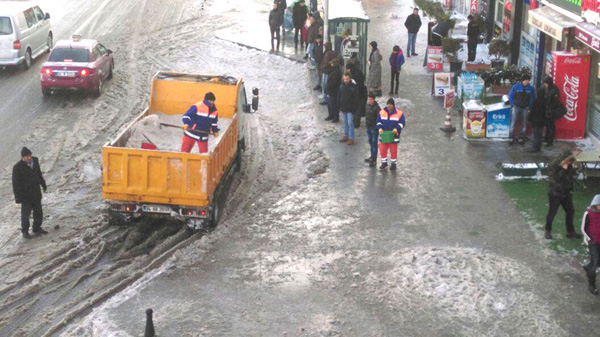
5 26
69 55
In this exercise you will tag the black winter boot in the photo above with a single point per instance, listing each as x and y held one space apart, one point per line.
592 283
383 166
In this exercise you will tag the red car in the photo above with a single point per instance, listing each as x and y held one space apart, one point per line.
77 64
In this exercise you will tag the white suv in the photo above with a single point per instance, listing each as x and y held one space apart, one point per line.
25 33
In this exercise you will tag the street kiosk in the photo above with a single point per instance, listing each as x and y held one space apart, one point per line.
349 16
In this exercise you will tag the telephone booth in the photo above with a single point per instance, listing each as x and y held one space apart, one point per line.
348 25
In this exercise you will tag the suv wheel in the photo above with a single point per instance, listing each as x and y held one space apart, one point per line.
27 63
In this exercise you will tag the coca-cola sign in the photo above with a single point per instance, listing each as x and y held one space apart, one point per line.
571 74
571 90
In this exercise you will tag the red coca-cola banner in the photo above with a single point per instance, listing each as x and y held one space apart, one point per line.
571 75
592 5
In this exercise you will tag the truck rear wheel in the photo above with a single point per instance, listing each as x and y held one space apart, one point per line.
215 215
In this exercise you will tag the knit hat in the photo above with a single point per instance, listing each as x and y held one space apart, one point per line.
391 101
25 152
209 96
548 80
372 95
596 200
526 77
396 48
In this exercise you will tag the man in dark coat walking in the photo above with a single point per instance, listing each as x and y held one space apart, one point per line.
473 36
562 176
275 21
299 14
27 179
318 53
412 24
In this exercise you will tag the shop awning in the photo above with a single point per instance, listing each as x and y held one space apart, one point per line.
347 9
588 34
550 21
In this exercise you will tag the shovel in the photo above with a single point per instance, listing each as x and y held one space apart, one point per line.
149 145
181 127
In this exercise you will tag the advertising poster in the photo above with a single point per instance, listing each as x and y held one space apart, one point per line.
498 121
474 119
435 58
442 83
449 99
571 74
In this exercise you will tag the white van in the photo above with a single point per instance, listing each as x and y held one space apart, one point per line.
25 33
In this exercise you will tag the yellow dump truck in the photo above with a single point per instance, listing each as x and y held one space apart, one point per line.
160 179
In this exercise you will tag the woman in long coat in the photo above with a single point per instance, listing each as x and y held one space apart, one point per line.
374 79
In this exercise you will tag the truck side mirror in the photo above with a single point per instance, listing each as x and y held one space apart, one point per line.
47 16
254 99
246 108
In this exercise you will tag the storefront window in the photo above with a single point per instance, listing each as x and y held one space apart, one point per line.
595 124
507 21
526 26
499 11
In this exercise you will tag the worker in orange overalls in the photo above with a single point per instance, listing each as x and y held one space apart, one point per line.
201 117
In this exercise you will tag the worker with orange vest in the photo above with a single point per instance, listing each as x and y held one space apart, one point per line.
198 122
390 119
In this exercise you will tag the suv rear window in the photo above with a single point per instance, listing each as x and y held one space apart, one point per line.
69 55
5 26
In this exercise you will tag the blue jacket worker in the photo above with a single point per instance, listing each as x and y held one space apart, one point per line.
390 119
521 98
198 122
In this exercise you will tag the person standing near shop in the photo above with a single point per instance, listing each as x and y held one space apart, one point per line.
275 21
537 118
374 81
371 114
318 53
328 56
412 24
27 179
299 13
359 78
281 6
390 119
521 97
473 37
562 176
590 227
396 62
554 109
347 103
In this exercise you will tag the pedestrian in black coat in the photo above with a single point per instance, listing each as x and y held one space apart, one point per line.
275 21
537 118
27 179
318 53
299 14
560 193
473 37
412 24
334 80
359 79
554 109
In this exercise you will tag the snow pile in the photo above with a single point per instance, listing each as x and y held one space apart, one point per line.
485 292
149 130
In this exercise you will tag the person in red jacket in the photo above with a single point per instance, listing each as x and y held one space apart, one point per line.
591 228
198 122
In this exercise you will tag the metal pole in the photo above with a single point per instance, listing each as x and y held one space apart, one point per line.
326 29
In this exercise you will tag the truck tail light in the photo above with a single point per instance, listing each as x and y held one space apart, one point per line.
17 45
124 208
192 212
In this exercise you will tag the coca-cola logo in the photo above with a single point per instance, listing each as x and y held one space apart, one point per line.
571 89
574 60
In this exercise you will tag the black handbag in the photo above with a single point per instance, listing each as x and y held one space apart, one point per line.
559 112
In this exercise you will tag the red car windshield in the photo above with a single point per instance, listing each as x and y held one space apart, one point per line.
69 55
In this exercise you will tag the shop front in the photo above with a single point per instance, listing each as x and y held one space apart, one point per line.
570 72
589 34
